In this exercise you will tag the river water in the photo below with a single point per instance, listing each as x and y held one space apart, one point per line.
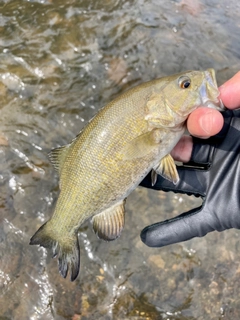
60 61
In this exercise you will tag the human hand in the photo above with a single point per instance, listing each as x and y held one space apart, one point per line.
218 183
205 122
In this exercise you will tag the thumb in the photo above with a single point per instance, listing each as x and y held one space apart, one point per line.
194 223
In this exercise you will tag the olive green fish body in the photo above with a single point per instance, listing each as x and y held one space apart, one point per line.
97 156
128 138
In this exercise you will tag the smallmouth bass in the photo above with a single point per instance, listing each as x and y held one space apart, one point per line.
128 138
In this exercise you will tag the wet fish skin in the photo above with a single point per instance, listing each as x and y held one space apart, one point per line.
127 138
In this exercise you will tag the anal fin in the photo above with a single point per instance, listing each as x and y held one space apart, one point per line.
108 224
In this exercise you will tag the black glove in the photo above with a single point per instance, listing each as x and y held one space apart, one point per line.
217 182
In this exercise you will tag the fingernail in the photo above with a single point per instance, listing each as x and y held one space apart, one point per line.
206 122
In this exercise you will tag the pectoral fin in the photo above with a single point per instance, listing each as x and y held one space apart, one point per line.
142 145
108 224
167 169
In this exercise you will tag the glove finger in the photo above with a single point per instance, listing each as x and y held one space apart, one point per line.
203 149
181 228
190 182
202 153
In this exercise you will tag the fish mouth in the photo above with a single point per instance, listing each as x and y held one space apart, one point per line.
210 93
218 105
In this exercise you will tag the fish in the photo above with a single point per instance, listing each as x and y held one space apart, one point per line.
127 139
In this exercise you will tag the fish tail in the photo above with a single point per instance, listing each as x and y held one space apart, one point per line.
65 247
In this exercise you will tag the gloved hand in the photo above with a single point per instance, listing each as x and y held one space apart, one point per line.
218 183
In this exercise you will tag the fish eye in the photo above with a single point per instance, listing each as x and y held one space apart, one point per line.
184 82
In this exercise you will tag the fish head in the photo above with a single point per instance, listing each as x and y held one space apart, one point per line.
183 93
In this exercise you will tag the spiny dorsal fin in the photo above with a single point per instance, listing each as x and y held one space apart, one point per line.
108 224
58 155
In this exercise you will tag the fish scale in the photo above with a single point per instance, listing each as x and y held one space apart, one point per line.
128 138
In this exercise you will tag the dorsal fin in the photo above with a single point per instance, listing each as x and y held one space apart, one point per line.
58 155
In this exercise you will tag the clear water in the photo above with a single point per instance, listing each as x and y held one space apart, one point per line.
60 61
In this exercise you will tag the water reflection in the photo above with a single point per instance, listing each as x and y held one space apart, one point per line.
59 63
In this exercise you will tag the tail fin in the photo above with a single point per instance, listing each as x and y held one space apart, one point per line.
65 247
